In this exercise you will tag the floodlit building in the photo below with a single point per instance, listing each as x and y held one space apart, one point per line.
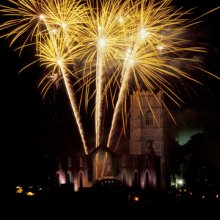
144 165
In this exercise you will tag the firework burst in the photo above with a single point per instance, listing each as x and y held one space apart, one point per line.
102 42
48 26
156 42
25 17
120 47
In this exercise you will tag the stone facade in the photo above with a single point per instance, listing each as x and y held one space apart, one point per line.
145 165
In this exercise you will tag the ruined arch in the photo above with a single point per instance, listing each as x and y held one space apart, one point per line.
103 162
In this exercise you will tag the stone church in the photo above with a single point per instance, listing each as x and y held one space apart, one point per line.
146 163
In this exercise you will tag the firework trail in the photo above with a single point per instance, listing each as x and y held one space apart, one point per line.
131 45
66 18
24 19
103 41
155 42
53 20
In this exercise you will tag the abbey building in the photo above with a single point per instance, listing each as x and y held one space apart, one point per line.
146 163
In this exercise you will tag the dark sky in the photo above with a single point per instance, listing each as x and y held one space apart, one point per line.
35 130
201 109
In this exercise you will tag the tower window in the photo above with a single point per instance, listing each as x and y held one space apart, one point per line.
149 146
149 118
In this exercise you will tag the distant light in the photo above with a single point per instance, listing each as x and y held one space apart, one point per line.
41 16
136 198
203 197
30 193
180 182
173 183
217 196
19 189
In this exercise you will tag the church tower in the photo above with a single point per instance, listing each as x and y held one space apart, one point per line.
147 134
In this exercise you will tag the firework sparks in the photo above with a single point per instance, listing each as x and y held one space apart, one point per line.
67 17
56 56
148 62
52 22
61 50
26 19
131 45
103 41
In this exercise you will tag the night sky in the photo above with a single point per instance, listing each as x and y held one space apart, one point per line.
34 130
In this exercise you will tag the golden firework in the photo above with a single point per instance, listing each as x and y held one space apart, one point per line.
119 47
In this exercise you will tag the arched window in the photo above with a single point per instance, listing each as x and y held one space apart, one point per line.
80 179
69 177
124 177
135 178
147 182
69 162
149 146
148 118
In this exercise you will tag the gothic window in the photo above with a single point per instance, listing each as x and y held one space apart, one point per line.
69 177
80 179
69 162
148 146
148 118
135 178
124 177
147 180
